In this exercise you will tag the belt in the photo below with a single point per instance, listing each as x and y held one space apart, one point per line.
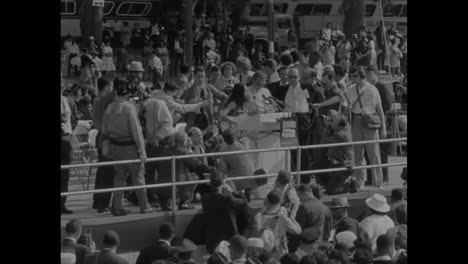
121 143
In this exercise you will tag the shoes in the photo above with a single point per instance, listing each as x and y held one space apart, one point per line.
65 210
119 212
103 210
185 206
147 210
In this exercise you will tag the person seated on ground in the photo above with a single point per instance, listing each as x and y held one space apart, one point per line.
289 198
378 223
69 244
337 130
162 248
384 250
180 146
273 223
397 197
108 254
219 207
237 164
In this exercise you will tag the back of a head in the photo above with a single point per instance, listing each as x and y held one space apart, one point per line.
384 243
316 190
397 195
180 138
320 257
166 230
258 74
216 179
270 63
284 177
308 260
238 244
340 255
304 188
229 136
363 244
286 59
295 56
289 258
111 238
273 197
338 70
363 256
184 69
73 227
401 211
102 83
170 86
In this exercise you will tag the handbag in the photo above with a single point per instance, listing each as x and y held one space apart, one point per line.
371 121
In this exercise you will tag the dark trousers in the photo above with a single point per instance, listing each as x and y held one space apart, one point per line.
177 61
381 61
156 79
151 170
104 179
304 138
403 63
384 152
65 150
197 54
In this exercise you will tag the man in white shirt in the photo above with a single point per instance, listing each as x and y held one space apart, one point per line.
209 42
257 95
296 101
371 104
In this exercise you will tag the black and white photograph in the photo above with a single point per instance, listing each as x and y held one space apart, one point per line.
233 132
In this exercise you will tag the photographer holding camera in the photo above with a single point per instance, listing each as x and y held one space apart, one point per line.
123 133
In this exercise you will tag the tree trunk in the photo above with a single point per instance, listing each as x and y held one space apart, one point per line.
91 21
354 11
188 14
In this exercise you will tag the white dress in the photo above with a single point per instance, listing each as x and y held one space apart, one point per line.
107 59
373 60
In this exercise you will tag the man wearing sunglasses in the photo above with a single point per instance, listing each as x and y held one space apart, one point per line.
365 98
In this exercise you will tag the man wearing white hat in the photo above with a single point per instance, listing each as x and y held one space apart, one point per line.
378 223
136 72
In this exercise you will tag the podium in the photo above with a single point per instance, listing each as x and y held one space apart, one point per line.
263 132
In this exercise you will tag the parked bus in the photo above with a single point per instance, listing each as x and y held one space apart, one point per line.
114 11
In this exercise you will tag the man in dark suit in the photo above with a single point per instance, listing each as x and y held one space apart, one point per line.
108 254
339 210
69 245
180 147
278 89
219 207
162 249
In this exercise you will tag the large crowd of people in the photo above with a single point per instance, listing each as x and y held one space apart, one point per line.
293 227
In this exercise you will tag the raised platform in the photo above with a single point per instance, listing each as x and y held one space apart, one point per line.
137 231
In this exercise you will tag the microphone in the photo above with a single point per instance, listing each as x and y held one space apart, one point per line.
269 99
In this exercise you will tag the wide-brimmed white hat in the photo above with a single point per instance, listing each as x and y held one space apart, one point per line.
378 203
136 66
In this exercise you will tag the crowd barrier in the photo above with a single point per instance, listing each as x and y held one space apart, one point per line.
173 159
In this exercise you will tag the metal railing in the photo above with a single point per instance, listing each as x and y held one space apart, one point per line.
173 159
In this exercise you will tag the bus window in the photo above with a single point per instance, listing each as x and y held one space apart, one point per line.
392 10
370 9
404 12
107 8
67 7
283 23
321 9
303 9
256 9
280 8
132 9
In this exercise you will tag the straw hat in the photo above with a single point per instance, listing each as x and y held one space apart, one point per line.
136 66
339 202
378 203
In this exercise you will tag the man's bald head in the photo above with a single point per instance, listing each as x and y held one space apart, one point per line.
195 135
293 75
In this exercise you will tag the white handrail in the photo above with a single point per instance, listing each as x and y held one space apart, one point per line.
217 154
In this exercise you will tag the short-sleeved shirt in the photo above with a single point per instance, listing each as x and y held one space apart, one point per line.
370 98
296 100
